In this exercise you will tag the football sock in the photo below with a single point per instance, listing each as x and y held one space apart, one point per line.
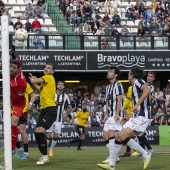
53 143
18 145
38 141
80 143
14 136
43 143
128 149
134 145
26 147
144 141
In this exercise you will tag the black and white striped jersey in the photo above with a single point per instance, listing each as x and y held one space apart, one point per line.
152 93
61 101
112 91
136 94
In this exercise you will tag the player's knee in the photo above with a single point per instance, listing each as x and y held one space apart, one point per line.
120 138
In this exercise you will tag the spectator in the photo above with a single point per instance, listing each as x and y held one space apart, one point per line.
160 102
87 11
116 19
43 5
90 107
28 26
38 12
37 40
37 25
158 27
141 31
98 17
130 13
29 10
107 6
99 31
74 19
158 93
2 5
95 123
96 89
69 10
115 32
31 123
148 14
73 104
166 89
114 6
9 16
95 25
105 18
125 33
18 24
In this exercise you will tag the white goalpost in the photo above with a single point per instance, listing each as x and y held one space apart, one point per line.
6 93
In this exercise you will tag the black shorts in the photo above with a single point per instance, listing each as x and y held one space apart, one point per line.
80 130
23 119
47 117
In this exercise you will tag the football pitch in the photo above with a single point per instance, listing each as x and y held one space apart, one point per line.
87 159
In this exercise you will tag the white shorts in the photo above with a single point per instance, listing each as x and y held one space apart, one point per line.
112 124
55 127
138 124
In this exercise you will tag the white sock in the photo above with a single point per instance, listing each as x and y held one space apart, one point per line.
114 151
134 145
107 146
45 156
53 143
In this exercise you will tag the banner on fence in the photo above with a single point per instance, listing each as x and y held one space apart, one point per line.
93 136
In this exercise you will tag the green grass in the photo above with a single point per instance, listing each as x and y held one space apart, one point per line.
71 159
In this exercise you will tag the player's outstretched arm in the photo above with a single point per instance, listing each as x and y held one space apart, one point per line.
34 80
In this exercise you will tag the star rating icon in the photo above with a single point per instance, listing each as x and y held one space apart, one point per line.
158 64
167 64
153 64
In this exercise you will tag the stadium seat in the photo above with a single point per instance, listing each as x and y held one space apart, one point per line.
12 13
12 2
127 44
45 29
133 30
130 23
23 8
48 22
137 22
52 29
125 4
158 44
87 44
14 20
41 21
133 3
123 15
52 43
20 2
123 22
5 1
91 37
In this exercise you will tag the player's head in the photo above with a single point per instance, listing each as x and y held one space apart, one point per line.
135 73
84 107
49 69
14 68
151 77
60 85
113 73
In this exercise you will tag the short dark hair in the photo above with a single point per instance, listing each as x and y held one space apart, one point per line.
137 73
154 74
51 65
117 71
16 63
61 82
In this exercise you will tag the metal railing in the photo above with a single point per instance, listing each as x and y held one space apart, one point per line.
94 42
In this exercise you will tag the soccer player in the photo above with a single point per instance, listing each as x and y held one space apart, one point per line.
48 108
30 98
142 139
17 90
61 100
135 123
82 117
114 111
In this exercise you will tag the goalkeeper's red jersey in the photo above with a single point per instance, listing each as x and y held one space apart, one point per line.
17 89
